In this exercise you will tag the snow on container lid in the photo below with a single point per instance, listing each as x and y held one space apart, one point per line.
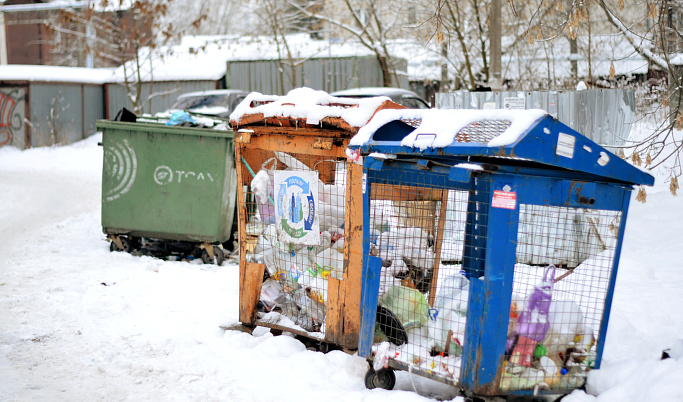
513 137
434 128
308 108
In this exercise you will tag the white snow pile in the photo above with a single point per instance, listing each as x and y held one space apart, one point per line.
97 5
438 128
80 323
174 63
56 74
310 105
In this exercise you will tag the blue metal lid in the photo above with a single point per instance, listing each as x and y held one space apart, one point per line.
506 136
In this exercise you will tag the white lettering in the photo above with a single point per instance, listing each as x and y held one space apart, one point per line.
164 175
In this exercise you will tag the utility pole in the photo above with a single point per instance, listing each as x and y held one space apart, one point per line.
495 80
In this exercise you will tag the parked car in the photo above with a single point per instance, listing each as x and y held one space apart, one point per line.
401 96
219 102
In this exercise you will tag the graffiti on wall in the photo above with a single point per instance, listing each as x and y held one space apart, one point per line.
12 117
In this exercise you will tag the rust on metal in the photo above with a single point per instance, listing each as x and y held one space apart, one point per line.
243 137
322 143
493 388
330 122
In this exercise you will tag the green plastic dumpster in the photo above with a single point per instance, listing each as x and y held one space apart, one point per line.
167 182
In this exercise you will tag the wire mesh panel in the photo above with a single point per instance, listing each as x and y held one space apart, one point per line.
417 228
561 279
482 131
295 206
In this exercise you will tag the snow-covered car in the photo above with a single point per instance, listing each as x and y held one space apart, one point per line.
403 97
219 102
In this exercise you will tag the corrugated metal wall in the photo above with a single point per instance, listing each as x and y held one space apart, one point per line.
56 113
603 115
327 74
62 113
166 94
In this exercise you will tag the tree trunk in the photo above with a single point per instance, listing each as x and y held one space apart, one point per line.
463 45
386 73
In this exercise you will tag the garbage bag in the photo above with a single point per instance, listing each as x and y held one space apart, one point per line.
262 186
449 315
180 117
408 305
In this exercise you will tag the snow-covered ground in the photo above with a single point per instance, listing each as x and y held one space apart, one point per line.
80 323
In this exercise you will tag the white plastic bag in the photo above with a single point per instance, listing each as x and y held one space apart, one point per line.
449 315
262 187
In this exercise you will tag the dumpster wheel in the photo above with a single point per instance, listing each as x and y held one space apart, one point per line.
384 378
120 243
218 255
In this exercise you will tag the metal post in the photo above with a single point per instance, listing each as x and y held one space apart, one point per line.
573 51
89 52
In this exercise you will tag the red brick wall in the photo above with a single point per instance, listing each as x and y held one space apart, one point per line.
27 40
27 44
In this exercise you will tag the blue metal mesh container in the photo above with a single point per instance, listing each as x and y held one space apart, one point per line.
491 248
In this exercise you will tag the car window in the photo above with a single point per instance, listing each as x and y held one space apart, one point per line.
414 103
408 101
238 99
194 102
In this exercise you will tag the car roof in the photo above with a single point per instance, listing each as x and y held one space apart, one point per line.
374 91
212 92
401 96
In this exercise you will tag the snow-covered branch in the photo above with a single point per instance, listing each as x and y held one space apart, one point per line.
633 39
